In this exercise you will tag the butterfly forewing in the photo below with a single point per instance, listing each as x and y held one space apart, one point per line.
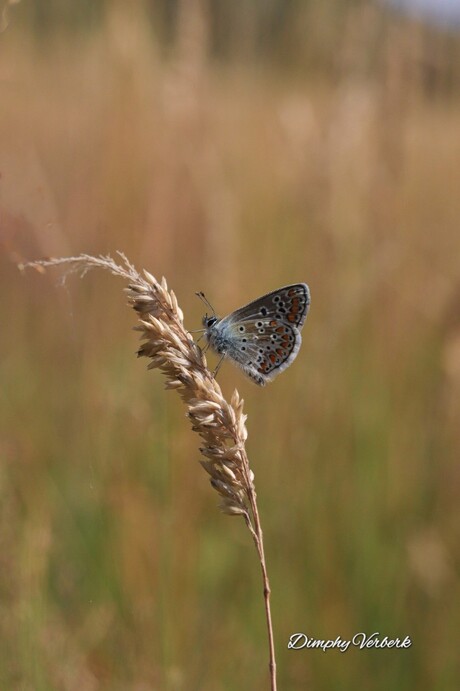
289 304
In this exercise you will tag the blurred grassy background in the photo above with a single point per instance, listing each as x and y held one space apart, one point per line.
232 147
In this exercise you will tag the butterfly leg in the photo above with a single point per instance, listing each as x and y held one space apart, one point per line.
218 366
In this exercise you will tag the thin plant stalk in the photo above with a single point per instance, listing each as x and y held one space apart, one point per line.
220 424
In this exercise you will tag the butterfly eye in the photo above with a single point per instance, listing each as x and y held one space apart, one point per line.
211 321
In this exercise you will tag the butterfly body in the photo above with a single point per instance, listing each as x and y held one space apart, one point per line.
263 337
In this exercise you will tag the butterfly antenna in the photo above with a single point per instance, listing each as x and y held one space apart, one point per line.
203 297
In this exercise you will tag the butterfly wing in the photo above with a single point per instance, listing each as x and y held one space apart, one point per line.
290 303
265 334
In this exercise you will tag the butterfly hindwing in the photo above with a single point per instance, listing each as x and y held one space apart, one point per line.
268 346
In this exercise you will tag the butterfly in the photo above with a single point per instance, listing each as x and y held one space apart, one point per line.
263 337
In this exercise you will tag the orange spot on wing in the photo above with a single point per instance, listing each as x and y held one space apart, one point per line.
273 322
280 329
272 357
291 317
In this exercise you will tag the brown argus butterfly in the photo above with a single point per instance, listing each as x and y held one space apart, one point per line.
263 337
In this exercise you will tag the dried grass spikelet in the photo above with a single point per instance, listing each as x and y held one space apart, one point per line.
171 349
220 424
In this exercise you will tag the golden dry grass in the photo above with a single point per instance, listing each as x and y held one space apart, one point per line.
116 570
